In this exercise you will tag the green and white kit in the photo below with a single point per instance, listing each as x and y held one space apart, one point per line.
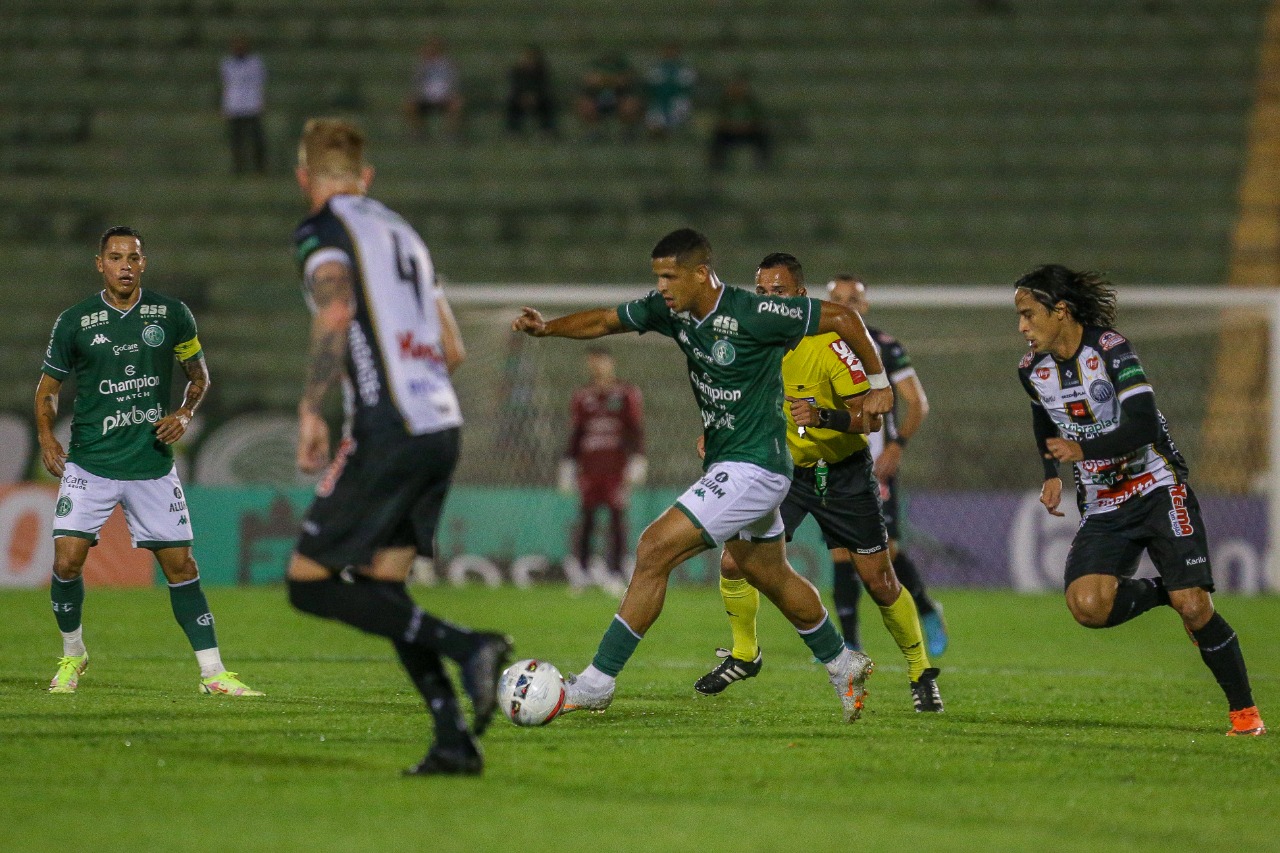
734 357
122 362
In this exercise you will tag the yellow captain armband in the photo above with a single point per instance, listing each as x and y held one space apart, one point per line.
187 350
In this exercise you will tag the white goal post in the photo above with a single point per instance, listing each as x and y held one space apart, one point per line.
992 315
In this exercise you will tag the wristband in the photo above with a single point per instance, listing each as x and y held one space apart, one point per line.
877 380
834 419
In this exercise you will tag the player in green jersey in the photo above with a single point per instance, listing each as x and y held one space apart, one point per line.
120 345
733 341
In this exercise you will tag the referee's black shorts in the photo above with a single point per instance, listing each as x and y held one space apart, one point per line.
1165 523
383 491
848 514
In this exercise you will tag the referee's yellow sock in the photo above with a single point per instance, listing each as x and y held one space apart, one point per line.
741 603
903 623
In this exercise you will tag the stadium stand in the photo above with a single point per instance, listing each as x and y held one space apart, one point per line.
921 142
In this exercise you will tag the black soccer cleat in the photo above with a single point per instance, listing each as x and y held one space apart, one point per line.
453 761
924 693
480 673
729 670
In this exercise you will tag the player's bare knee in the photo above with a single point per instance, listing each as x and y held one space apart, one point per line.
180 570
67 568
729 568
1195 606
1089 607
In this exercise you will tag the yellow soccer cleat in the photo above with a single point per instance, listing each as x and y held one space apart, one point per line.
227 684
70 668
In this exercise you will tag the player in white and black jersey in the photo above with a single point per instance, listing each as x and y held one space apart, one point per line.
1092 405
382 326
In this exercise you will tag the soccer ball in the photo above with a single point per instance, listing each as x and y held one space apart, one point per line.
531 692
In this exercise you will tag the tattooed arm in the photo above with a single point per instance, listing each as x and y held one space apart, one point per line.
52 456
173 426
332 292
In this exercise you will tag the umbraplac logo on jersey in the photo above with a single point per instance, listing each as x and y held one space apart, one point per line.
153 335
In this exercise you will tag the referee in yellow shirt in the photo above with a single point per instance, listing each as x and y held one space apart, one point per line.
834 483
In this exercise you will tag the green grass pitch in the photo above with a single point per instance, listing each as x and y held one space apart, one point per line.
1054 738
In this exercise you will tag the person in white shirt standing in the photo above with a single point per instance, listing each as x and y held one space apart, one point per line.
244 84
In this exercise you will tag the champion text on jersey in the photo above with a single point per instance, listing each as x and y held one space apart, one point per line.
712 393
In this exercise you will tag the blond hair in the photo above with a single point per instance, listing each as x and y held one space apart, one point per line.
331 148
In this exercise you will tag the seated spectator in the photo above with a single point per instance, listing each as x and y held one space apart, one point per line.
669 85
609 89
529 93
740 120
435 88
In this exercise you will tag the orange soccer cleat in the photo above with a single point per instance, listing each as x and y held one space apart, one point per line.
1247 723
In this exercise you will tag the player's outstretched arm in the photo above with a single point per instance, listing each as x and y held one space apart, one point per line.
52 456
849 326
581 325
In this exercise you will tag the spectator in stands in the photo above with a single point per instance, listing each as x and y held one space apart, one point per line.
529 94
609 89
435 88
740 120
244 83
669 86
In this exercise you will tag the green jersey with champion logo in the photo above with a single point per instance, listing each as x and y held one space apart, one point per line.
123 364
734 359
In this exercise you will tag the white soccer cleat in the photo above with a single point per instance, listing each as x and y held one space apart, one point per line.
578 696
848 675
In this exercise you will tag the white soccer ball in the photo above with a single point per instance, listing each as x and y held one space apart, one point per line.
531 692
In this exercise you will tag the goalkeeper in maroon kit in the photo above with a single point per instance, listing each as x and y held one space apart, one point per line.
605 457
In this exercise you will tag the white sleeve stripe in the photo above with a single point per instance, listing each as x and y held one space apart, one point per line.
626 309
53 367
324 256
1144 388
899 375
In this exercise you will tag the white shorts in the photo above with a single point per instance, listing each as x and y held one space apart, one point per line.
156 510
736 500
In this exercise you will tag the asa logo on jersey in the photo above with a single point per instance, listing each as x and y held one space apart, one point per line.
97 318
152 336
413 349
153 311
1179 518
769 306
845 353
724 325
131 417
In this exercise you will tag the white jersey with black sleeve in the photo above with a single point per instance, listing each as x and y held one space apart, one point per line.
396 370
1083 396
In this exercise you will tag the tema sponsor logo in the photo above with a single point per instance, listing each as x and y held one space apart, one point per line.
1179 518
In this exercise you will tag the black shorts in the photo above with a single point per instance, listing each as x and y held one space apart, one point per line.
889 507
850 515
1166 523
381 492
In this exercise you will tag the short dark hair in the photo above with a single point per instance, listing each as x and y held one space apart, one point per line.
118 231
783 259
1088 295
688 247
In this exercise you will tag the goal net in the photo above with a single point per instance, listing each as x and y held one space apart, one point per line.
971 476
